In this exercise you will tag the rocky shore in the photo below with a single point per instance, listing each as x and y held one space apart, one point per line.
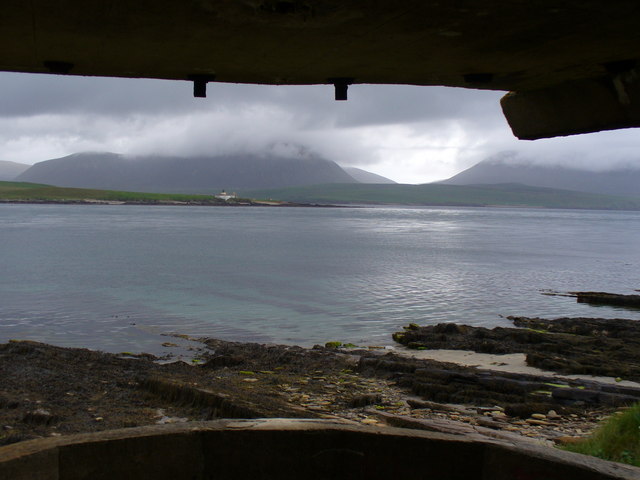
47 390
584 346
605 298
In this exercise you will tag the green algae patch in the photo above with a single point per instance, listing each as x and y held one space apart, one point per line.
542 393
398 337
537 330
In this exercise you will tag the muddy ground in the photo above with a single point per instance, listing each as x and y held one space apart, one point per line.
47 390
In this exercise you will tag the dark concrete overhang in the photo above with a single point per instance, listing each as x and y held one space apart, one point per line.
290 450
571 66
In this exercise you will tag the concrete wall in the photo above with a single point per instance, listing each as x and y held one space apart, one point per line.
289 449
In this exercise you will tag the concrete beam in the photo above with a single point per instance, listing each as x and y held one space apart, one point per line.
290 450
551 53
582 106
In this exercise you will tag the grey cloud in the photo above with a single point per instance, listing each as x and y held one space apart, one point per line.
430 131
30 94
313 106
595 151
394 104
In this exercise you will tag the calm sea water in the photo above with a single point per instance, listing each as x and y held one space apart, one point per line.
117 277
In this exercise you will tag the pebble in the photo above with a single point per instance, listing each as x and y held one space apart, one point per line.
369 421
250 380
488 409
534 421
321 393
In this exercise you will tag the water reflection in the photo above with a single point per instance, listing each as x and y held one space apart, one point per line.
115 278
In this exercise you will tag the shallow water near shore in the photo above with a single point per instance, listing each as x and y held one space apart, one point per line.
117 277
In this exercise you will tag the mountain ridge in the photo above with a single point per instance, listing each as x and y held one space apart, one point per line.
200 174
619 182
10 170
441 195
363 176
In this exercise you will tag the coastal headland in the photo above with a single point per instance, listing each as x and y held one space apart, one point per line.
52 391
331 195
34 193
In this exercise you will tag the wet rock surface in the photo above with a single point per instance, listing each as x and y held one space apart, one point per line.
582 346
47 390
605 298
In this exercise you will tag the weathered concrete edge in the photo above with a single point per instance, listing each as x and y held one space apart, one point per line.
581 106
39 459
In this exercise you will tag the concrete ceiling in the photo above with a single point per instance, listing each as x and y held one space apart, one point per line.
571 66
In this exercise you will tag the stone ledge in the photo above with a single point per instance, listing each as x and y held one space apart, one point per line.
285 448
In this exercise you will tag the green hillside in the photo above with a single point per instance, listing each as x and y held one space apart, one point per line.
508 195
35 192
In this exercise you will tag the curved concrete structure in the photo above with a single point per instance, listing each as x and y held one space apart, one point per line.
572 65
290 449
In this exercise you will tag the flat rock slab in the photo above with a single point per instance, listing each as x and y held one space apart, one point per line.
580 346
604 298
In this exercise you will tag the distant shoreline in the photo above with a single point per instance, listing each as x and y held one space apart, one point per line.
253 203
258 203
332 195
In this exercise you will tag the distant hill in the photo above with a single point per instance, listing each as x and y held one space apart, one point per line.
38 193
505 195
187 175
362 176
10 170
624 182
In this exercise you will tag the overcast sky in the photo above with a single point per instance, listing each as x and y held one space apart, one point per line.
409 134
